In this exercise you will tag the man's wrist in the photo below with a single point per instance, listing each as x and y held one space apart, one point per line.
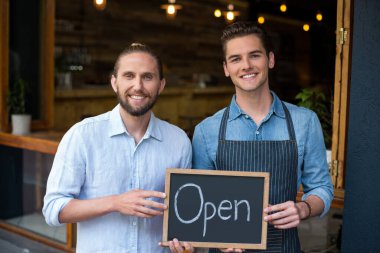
307 209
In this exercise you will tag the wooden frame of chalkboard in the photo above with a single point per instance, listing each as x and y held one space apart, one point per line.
216 209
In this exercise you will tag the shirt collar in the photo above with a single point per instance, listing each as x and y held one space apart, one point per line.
235 110
276 108
118 127
153 129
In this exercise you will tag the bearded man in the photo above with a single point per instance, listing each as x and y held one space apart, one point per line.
108 174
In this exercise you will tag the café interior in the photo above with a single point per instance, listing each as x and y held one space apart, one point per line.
63 51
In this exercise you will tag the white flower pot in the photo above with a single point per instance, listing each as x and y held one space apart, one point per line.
21 124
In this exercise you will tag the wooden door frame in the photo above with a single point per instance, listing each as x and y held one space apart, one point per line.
341 86
341 97
4 62
46 104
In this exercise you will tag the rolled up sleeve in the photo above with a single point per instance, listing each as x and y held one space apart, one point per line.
66 176
315 177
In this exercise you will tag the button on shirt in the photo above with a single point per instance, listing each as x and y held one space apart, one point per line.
98 157
312 165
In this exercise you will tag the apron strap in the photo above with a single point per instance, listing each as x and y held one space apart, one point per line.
289 123
223 124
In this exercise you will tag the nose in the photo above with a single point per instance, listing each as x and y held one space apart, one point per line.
246 64
138 84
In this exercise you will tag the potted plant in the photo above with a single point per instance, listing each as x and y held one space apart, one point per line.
16 106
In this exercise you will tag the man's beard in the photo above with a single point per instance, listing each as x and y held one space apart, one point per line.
137 111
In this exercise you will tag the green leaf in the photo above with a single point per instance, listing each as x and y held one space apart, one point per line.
314 99
17 96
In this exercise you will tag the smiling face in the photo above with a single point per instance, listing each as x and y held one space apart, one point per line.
137 83
248 64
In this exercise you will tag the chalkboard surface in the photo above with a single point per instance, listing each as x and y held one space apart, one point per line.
220 209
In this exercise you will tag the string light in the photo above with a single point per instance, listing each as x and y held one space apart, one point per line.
283 7
306 27
261 20
217 13
319 16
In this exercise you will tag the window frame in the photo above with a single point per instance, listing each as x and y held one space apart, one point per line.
46 65
341 98
47 7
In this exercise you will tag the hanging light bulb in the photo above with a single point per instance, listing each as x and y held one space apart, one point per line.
230 14
100 4
319 16
261 20
217 13
171 8
283 7
306 27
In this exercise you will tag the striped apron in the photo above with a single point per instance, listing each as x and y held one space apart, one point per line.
279 158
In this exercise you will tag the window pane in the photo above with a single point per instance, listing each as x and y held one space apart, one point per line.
23 181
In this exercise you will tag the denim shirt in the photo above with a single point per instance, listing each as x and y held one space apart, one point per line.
98 157
312 168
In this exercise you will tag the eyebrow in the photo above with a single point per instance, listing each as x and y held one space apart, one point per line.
149 72
132 72
252 52
126 71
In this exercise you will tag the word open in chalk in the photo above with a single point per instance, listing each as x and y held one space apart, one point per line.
210 211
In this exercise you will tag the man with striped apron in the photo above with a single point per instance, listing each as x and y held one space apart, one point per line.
258 132
279 158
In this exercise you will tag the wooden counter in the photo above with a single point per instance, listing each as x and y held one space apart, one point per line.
44 142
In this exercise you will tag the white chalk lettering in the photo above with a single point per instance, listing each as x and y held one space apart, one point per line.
248 209
208 217
200 207
210 209
220 208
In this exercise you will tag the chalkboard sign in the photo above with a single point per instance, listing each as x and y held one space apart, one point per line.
216 209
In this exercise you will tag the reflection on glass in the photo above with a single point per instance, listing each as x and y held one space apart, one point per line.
35 168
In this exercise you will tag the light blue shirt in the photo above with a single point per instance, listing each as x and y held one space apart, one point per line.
97 157
313 172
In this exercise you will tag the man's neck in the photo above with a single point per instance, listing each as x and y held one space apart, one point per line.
255 104
135 125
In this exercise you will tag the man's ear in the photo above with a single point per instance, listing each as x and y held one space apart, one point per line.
226 73
271 60
162 85
113 83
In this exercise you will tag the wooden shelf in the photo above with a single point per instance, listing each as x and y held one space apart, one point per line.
92 91
81 93
44 142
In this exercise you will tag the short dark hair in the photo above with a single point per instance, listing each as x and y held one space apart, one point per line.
139 48
244 28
